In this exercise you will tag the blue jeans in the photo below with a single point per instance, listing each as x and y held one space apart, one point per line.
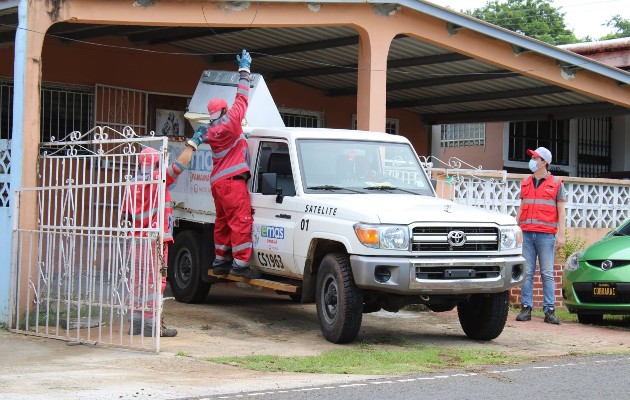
543 246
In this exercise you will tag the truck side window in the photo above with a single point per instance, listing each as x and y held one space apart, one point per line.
274 157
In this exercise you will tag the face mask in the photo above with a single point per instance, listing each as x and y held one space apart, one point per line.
532 165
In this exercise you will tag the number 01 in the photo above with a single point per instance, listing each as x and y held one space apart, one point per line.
304 224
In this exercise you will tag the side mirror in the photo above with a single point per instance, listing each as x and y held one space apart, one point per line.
269 185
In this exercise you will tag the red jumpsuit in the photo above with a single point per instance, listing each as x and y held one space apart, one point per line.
230 171
141 206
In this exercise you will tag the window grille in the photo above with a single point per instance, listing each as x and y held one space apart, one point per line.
554 135
64 109
391 125
463 135
302 118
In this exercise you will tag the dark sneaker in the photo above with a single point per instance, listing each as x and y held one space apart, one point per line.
168 332
525 314
222 269
550 317
245 273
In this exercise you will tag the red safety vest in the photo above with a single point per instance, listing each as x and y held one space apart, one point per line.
539 211
141 201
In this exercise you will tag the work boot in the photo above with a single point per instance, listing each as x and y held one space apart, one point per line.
136 324
550 317
222 269
246 272
168 332
525 314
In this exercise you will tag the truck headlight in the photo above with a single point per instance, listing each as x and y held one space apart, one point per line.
511 237
388 237
572 262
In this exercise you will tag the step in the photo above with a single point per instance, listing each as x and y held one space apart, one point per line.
275 285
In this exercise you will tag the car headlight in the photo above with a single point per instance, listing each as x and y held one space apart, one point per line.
511 237
388 237
572 261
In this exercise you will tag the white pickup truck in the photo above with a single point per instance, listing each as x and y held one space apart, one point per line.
347 219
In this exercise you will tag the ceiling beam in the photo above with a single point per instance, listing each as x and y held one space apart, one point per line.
527 114
475 97
424 83
391 64
82 32
296 48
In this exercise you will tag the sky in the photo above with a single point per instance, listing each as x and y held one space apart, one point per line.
584 17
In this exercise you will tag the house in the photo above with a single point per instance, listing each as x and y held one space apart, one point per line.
400 68
592 145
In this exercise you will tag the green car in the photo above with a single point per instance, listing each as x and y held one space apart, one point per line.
596 281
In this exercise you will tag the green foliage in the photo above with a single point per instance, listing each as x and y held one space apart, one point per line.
385 357
571 245
537 19
621 25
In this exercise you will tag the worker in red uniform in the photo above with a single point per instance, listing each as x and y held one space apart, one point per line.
141 209
228 181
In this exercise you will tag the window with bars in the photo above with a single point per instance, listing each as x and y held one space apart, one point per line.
302 118
64 109
554 135
463 135
391 125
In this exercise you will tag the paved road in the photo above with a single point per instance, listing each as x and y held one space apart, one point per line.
594 377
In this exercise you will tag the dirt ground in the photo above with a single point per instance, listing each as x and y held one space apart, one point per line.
238 322
242 322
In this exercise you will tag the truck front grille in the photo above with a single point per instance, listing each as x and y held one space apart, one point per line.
436 238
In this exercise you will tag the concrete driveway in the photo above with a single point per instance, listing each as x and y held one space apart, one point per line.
235 322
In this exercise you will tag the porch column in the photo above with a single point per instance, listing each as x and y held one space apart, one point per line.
33 22
372 81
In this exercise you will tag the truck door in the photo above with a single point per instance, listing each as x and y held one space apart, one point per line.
274 223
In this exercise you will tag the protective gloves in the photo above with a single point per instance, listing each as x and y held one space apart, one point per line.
244 61
197 138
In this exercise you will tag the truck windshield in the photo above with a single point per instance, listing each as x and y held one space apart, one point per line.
349 166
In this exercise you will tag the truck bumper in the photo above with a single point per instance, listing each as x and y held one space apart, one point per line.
414 276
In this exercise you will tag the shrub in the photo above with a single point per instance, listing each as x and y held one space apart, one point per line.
571 245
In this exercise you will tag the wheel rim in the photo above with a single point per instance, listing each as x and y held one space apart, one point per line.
183 268
330 299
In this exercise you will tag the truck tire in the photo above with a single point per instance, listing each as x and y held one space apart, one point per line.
483 316
185 269
338 299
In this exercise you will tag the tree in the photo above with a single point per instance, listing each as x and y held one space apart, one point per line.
622 27
537 19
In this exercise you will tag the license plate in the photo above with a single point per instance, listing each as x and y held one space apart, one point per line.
604 289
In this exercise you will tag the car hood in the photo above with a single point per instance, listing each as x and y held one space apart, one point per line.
406 209
609 248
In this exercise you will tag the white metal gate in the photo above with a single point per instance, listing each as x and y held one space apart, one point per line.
84 273
5 224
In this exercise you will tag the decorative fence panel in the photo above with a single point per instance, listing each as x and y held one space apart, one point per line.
591 202
82 271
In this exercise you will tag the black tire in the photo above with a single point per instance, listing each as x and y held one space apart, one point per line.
338 299
483 316
185 269
590 319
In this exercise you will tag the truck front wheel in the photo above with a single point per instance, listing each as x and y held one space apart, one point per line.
339 301
185 269
483 316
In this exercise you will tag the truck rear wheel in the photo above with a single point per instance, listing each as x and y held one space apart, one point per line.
339 301
185 269
483 316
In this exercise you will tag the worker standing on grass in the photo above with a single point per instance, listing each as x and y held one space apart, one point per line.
228 181
141 209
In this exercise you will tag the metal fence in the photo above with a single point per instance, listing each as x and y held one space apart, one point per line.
591 203
81 272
